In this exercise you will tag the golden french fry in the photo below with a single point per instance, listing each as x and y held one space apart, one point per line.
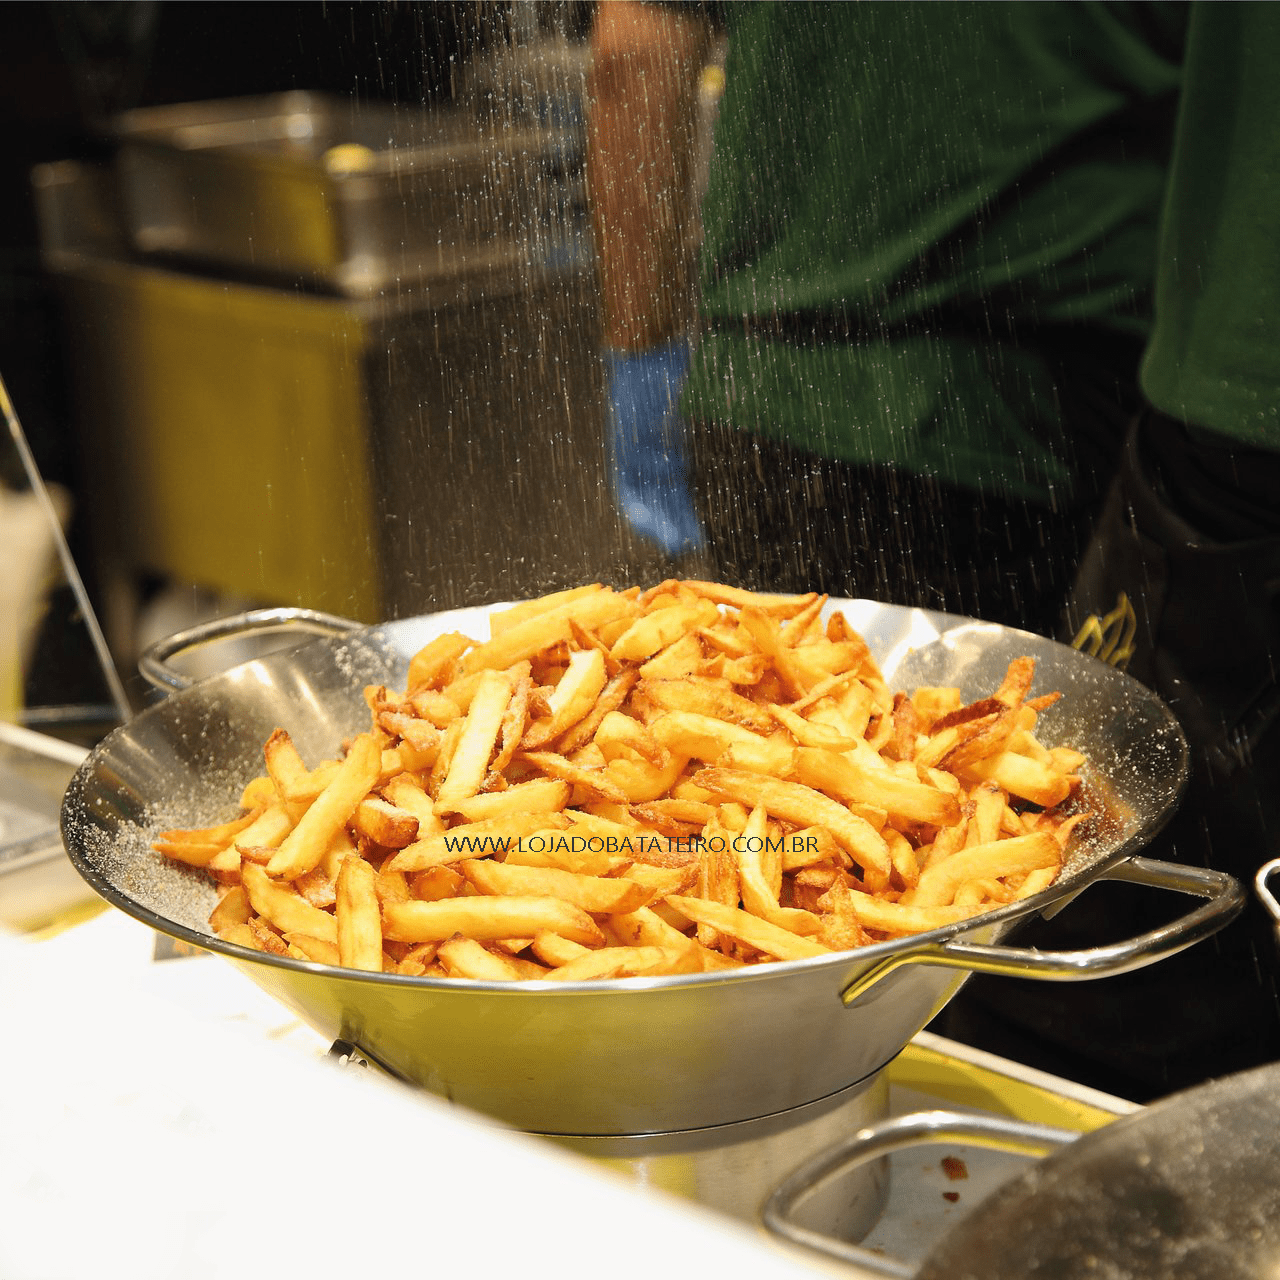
470 840
793 802
758 895
940 880
562 850
197 848
1023 777
637 781
849 776
476 742
574 696
594 781
505 619
612 696
430 665
258 793
555 951
466 958
780 606
646 928
595 894
316 950
382 822
627 962
690 734
769 938
532 635
358 916
653 631
895 918
285 768
285 908
406 793
488 919
304 846
233 908
618 734
540 795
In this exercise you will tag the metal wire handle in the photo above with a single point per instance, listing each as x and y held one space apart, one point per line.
881 1138
1226 900
154 661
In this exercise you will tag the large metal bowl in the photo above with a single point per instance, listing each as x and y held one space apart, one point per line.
638 1055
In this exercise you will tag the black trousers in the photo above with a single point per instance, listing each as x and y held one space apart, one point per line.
780 519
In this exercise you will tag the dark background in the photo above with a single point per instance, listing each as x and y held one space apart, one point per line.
66 68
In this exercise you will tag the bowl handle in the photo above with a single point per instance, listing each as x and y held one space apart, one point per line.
1226 899
1262 887
154 661
880 1138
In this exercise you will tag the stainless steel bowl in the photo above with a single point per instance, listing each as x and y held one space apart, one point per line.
630 1056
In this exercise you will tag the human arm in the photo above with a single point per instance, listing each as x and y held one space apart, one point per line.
646 61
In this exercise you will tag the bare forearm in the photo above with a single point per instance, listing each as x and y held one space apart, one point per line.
645 67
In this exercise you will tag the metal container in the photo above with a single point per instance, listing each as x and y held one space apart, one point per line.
633 1056
356 198
1189 1187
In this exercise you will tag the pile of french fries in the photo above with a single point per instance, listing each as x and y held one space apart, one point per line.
638 783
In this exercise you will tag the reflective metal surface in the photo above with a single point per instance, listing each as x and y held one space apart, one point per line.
311 186
607 1058
734 1167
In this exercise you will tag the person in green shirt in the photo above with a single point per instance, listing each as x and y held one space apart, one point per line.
966 270
924 283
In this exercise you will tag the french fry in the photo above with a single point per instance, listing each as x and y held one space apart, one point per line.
656 630
897 919
539 795
574 696
358 916
382 822
940 880
851 777
304 846
465 841
466 958
627 962
742 925
476 742
284 907
594 894
488 919
197 848
804 806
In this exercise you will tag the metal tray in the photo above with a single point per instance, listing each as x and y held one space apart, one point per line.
356 198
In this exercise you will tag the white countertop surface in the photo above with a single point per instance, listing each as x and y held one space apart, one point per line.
169 1119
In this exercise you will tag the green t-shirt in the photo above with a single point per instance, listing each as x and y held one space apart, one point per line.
943 182
1214 358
